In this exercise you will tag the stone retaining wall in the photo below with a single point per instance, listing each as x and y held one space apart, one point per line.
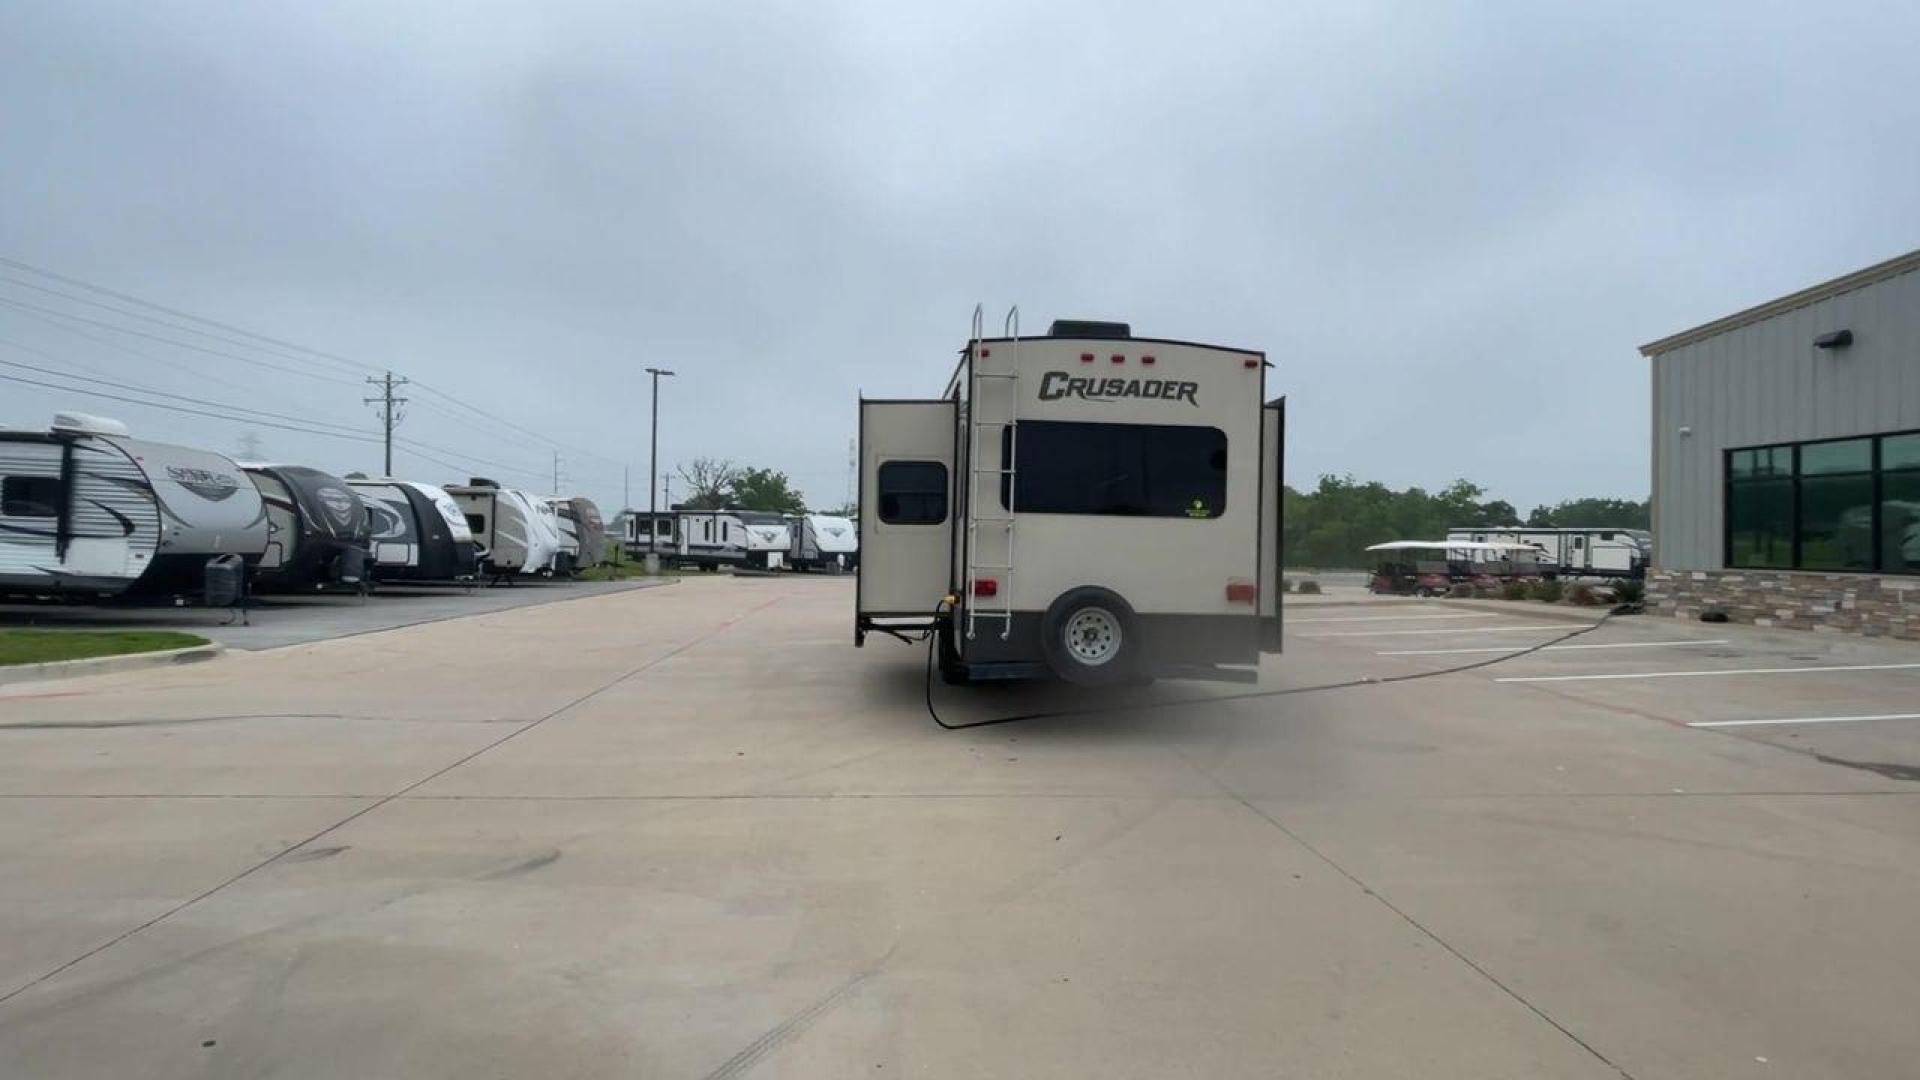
1855 603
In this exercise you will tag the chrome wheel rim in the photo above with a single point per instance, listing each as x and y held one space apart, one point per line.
1093 636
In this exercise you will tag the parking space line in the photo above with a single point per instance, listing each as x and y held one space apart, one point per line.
1704 674
1400 618
1806 720
1536 627
1556 648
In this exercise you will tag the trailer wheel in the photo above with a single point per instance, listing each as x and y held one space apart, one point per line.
1090 638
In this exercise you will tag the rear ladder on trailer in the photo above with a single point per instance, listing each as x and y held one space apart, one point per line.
997 411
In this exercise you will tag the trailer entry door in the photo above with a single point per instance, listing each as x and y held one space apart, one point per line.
906 507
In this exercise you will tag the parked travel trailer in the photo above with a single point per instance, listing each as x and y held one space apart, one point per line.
822 541
318 531
768 538
516 535
581 529
566 539
418 532
1573 552
1091 504
708 539
86 509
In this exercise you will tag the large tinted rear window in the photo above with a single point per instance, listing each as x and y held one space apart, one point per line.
1128 470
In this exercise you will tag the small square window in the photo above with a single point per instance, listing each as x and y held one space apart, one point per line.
31 496
913 492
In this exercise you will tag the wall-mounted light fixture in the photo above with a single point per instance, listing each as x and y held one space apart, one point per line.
1686 432
1839 339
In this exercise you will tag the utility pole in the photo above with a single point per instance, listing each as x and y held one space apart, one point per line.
389 417
556 472
666 483
626 487
653 470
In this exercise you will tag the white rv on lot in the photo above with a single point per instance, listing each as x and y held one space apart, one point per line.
768 537
708 539
823 541
1098 506
419 533
1572 552
84 509
516 533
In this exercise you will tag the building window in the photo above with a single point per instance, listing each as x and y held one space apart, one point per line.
913 492
31 496
1124 470
1900 504
1835 505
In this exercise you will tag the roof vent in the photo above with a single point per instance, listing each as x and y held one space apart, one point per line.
1087 328
84 424
481 481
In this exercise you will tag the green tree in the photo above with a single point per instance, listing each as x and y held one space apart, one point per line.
1594 513
765 489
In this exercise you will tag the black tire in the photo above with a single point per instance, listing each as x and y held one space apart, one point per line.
1090 637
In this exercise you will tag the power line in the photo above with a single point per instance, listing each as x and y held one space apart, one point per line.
150 305
352 366
177 397
157 322
184 409
546 439
169 341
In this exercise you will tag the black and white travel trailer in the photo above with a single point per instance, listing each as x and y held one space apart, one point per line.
768 537
517 533
1573 552
581 530
1091 504
87 510
418 533
707 539
823 541
319 534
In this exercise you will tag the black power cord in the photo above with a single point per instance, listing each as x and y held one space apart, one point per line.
1177 703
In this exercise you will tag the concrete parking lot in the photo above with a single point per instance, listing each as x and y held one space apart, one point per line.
690 832
278 620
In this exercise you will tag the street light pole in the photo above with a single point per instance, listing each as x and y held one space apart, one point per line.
653 471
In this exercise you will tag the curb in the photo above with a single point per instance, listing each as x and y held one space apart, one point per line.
1528 609
102 665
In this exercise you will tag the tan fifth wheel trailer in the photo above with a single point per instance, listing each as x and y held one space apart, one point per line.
1102 507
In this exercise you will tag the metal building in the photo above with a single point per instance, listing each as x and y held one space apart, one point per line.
1786 459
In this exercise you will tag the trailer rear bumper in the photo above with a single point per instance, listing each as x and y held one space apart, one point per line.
1219 647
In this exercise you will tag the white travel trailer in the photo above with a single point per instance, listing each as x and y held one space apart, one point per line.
1573 552
418 532
708 539
85 509
517 533
823 541
768 537
1091 504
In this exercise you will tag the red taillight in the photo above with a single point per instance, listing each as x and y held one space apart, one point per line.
984 351
1118 359
1086 358
1250 362
1242 592
986 586
1146 359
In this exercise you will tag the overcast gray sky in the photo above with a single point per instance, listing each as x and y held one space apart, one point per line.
1448 226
